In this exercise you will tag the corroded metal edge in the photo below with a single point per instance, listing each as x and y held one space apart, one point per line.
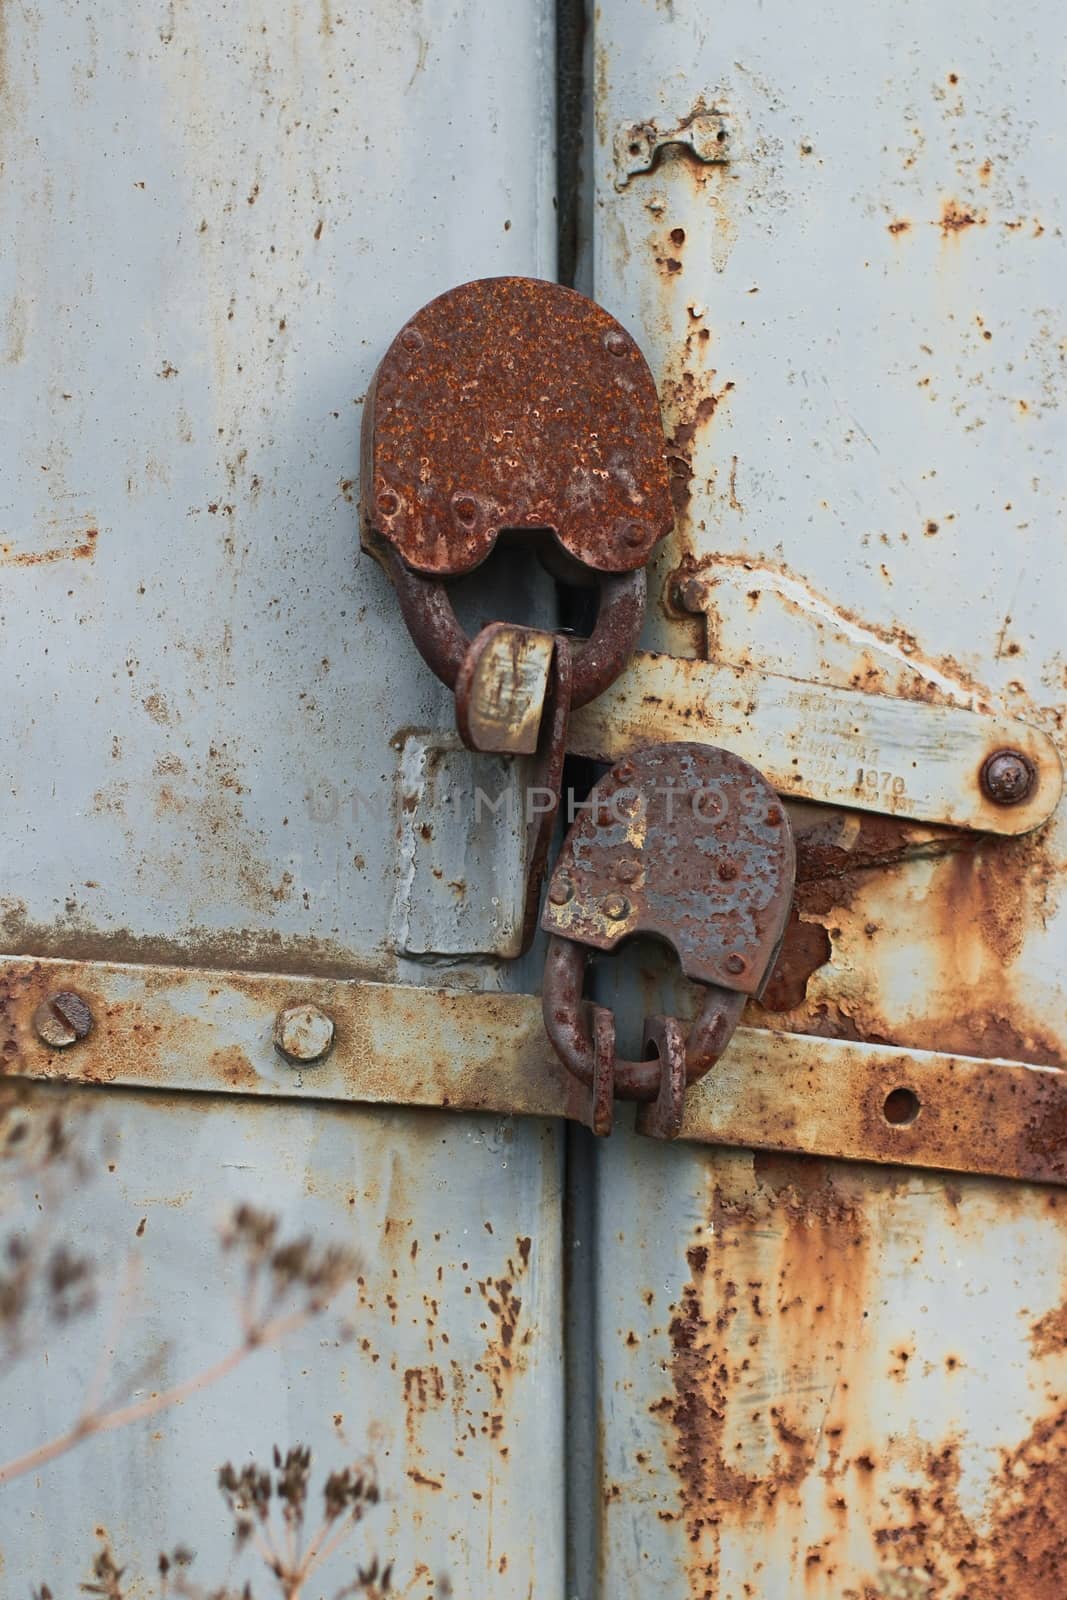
816 742
176 1028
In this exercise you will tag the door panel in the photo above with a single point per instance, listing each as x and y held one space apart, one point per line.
217 218
814 1378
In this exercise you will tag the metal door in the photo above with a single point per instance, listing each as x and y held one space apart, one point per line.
582 1368
216 728
816 1378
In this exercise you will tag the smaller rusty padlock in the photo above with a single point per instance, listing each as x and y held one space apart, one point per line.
690 845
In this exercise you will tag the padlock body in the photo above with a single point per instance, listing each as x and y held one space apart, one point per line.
513 403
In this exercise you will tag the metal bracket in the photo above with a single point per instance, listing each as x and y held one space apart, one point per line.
707 134
174 1028
814 742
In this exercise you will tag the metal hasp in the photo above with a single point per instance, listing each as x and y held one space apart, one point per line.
902 758
515 405
690 845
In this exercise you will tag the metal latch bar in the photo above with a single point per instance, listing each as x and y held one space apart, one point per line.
262 1034
816 742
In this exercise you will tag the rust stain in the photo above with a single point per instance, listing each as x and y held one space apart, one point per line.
779 1273
507 1339
1020 1551
973 913
1048 1337
84 550
900 226
956 218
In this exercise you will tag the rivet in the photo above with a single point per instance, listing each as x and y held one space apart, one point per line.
465 508
726 871
736 964
62 1019
388 503
303 1034
616 343
628 871
633 533
560 891
411 339
616 907
1008 777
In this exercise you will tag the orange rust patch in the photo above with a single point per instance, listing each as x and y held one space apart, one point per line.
85 550
1021 1551
811 1283
955 218
1048 1337
900 226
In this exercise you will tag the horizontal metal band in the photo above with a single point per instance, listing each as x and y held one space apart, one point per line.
812 741
176 1028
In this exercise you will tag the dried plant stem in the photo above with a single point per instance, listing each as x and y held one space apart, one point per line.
94 1421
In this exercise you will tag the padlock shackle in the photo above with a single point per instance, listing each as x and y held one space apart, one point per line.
442 641
567 1023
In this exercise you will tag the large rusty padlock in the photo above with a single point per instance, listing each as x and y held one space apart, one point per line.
515 405
690 845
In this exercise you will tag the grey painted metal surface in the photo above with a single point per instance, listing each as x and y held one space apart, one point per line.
815 1380
442 1363
232 213
216 219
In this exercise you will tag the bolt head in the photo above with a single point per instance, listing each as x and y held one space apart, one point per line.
560 891
303 1033
616 907
62 1019
736 964
1008 777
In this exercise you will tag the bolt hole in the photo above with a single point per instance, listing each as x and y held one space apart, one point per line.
635 149
651 1051
901 1107
721 136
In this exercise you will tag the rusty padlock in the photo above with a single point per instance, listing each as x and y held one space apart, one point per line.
690 845
515 405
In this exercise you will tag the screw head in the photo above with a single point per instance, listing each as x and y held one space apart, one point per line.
303 1033
560 890
616 907
736 964
62 1019
1008 777
616 343
628 871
